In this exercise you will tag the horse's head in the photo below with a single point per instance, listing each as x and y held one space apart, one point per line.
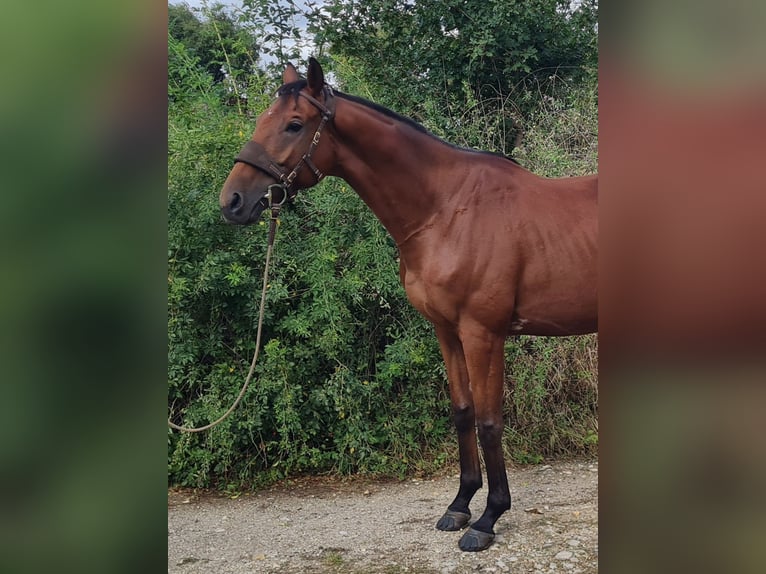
284 155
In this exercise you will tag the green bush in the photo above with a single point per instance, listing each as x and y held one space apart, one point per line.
350 379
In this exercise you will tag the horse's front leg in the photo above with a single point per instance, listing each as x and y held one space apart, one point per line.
458 514
485 364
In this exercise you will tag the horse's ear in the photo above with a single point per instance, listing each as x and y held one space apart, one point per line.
315 77
290 74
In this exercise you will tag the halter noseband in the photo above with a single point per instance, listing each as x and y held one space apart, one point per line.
254 154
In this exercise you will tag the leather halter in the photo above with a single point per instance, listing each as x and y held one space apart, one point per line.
254 154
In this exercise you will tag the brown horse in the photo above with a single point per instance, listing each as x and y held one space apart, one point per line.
487 249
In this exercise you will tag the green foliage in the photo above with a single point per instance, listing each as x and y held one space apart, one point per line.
350 378
276 23
560 136
434 54
232 52
215 38
186 78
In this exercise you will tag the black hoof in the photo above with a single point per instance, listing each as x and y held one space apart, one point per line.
475 540
453 521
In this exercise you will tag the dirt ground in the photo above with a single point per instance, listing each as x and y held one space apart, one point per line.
357 526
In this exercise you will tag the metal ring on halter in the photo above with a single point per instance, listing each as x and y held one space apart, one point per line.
270 197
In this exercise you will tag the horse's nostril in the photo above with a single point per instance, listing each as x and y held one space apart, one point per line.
236 201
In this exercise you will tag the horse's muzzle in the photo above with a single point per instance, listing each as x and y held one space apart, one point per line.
241 212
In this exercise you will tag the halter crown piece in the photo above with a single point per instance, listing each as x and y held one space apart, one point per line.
253 153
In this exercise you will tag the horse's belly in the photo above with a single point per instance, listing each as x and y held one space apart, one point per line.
576 316
548 328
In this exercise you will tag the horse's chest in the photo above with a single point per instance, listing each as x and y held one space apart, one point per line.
416 292
431 298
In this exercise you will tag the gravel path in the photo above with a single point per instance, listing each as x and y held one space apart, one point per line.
356 526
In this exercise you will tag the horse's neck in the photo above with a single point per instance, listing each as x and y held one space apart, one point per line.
398 171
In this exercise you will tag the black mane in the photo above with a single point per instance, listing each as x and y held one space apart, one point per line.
293 88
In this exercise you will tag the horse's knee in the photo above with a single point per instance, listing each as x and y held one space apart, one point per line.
490 432
463 417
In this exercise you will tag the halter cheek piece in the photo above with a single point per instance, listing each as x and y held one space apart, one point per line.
253 153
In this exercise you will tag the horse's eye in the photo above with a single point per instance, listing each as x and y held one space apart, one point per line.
294 127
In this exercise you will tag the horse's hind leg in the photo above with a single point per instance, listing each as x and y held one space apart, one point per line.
458 514
485 364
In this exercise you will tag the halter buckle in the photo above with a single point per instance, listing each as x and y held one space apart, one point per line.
270 196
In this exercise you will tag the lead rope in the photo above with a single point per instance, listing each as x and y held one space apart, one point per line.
272 234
